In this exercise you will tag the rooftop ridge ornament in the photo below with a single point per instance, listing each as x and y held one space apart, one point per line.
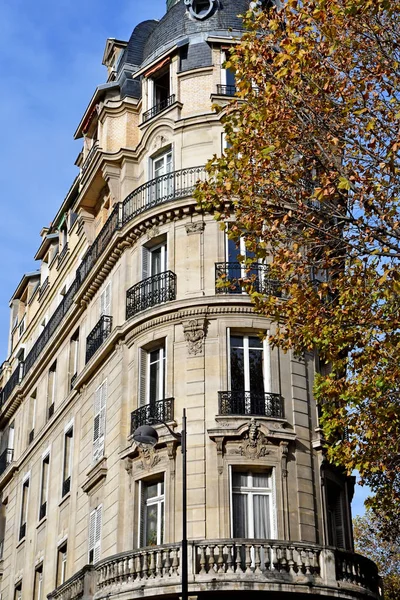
201 9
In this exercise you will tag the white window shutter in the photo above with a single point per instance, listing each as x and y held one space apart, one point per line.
99 423
97 538
145 262
95 520
105 301
143 366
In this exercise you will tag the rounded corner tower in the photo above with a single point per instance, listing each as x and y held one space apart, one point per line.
138 317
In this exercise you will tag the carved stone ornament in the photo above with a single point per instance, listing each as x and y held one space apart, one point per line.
196 227
201 9
153 232
195 332
254 444
159 142
149 458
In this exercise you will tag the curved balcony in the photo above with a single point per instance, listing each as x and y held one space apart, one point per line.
149 292
178 184
251 403
233 277
238 565
153 413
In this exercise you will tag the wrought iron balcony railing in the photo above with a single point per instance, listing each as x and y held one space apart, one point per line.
73 379
12 382
62 254
50 411
98 335
150 292
161 411
22 531
159 107
6 458
89 157
44 286
251 403
226 90
233 278
178 184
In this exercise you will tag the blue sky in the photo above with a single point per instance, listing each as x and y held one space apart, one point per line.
50 64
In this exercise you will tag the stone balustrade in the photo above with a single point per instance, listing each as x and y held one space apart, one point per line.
266 565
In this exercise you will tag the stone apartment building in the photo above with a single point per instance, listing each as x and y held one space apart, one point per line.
125 324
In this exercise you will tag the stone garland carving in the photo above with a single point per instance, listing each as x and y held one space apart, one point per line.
284 458
195 332
153 232
196 227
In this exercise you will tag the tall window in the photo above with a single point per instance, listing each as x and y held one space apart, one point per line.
162 167
252 505
24 508
249 371
95 534
151 529
51 389
99 423
227 75
61 574
336 512
32 416
67 461
38 583
105 301
152 375
18 591
73 358
44 486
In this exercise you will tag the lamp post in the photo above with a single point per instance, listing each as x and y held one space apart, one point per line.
147 435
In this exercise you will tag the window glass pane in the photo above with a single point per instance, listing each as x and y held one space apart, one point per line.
151 491
240 515
261 516
255 342
261 480
154 381
239 479
151 525
256 371
237 368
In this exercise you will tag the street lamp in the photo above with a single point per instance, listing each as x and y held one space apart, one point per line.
147 435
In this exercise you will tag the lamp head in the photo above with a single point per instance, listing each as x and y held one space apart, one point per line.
146 435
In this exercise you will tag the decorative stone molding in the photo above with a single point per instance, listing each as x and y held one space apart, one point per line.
195 331
149 458
284 457
254 444
153 232
195 227
95 476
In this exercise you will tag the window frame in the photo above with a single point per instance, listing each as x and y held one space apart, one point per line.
51 388
44 492
99 413
24 504
67 461
158 501
145 373
266 358
251 491
38 591
61 566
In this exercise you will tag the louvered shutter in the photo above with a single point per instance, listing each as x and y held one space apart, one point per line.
99 423
143 366
95 520
92 532
105 301
97 535
145 262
